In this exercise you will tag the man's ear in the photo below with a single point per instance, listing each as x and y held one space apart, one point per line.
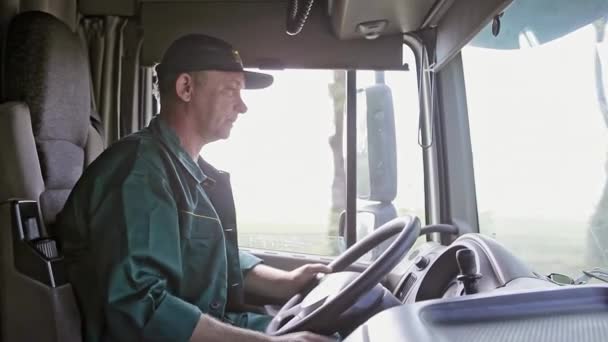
184 87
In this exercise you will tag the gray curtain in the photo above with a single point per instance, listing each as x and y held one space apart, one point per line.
118 80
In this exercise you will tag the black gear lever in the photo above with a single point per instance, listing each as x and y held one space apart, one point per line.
467 264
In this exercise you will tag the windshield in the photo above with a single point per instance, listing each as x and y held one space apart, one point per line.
539 129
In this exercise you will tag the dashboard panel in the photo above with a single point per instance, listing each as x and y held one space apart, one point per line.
555 314
513 303
431 270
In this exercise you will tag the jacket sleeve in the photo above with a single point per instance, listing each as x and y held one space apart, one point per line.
248 261
138 302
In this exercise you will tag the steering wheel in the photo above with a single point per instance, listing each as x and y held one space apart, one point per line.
337 292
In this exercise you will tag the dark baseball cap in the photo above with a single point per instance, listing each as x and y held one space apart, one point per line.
197 52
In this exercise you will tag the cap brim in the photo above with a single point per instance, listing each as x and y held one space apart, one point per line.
257 80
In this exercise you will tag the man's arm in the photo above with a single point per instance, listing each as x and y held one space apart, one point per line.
209 329
274 283
138 303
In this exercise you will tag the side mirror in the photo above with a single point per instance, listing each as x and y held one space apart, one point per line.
369 218
376 145
342 224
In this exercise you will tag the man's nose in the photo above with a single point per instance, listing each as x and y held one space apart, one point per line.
241 106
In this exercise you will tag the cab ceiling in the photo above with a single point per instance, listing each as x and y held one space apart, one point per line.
257 29
330 38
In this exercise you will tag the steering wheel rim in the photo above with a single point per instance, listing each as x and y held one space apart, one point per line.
308 317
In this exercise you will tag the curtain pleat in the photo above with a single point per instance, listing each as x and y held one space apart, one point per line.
148 101
129 104
114 45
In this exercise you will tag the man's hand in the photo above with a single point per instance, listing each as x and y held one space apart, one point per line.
302 276
271 282
303 336
209 329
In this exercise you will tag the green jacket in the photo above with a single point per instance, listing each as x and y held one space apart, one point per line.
150 242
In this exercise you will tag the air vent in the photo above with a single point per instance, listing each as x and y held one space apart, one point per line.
407 286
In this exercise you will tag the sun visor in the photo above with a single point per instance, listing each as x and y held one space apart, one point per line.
536 22
257 30
461 23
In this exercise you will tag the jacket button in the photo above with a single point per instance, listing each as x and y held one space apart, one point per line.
215 305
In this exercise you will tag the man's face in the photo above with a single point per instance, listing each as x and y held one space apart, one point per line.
217 102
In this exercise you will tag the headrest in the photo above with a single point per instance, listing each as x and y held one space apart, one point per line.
46 67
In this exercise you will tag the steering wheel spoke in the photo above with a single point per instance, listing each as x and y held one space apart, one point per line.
294 311
293 321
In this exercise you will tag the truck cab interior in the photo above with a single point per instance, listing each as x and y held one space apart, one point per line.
446 158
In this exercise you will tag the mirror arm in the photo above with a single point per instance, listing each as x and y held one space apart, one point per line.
351 158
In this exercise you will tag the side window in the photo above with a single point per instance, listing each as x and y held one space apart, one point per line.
281 164
286 159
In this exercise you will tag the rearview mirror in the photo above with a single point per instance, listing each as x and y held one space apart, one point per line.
376 145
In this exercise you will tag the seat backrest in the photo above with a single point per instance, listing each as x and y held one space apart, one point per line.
46 141
46 68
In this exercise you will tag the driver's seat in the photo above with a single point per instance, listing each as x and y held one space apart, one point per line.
46 140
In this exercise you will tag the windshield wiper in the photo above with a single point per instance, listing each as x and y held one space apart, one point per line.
596 273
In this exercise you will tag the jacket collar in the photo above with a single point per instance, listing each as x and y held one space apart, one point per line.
213 175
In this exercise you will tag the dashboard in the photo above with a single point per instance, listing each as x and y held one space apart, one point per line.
509 301
431 270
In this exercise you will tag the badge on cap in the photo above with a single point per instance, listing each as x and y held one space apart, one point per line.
237 57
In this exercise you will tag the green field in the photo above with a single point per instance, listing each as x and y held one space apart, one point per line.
308 239
546 245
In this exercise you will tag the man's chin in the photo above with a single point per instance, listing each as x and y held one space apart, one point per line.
219 136
225 135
